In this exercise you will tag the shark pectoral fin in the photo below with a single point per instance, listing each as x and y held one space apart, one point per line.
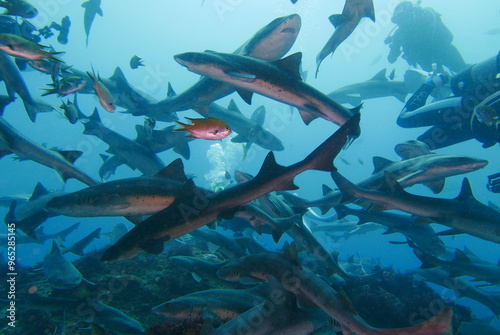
244 77
435 186
450 232
239 139
245 95
99 11
183 150
259 116
335 19
306 116
326 190
153 246
70 155
461 257
401 97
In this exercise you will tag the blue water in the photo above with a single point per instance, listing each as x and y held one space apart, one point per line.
157 30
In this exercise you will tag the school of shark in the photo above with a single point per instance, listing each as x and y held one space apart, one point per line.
220 189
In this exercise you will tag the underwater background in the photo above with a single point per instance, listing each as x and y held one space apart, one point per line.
156 31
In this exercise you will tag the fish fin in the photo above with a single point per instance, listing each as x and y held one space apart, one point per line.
391 184
335 19
370 11
239 139
174 170
38 192
99 11
4 101
466 191
70 155
435 186
259 115
291 64
271 168
183 150
153 246
347 301
233 107
245 95
380 76
95 116
326 189
244 77
170 91
380 164
196 277
461 257
400 96
306 116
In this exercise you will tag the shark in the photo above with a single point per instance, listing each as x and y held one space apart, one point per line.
196 209
279 80
15 83
134 154
61 161
270 43
309 287
345 23
61 273
92 8
464 214
431 170
77 247
376 87
219 304
440 276
86 310
145 195
460 265
422 235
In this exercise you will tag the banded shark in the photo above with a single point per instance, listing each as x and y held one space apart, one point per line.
279 80
307 285
270 43
62 161
145 195
464 214
196 209
429 169
345 23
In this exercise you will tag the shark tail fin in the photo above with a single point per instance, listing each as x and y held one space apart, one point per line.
36 106
439 324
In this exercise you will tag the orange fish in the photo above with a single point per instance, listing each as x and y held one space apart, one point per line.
207 129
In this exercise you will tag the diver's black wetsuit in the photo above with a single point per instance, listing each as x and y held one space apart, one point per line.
451 118
423 39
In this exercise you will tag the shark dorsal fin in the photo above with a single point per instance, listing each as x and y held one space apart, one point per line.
170 91
95 115
291 64
39 191
259 116
465 192
233 107
70 155
335 19
174 170
271 168
391 184
461 257
380 163
326 189
380 76
55 248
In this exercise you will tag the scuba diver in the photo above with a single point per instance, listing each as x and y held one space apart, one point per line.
472 112
423 39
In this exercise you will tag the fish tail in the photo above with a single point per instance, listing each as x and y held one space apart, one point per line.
439 324
322 157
